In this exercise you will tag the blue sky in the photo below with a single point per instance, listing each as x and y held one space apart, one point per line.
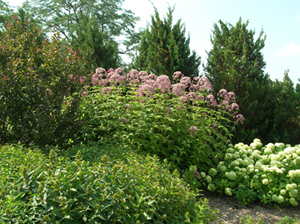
280 21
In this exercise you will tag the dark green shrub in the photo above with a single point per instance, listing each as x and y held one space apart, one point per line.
131 189
40 87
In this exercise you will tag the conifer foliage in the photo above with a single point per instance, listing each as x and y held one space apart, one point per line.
164 47
236 63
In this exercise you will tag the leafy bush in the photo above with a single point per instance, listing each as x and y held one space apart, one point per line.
270 173
40 87
134 189
180 122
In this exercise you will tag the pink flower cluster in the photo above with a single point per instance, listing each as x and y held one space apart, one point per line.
189 91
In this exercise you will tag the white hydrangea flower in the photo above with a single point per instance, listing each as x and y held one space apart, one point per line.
212 172
228 191
297 161
230 175
295 155
274 197
290 187
244 170
281 154
228 156
208 179
203 175
236 155
258 164
211 187
289 150
250 168
298 151
294 173
223 168
265 181
265 158
245 162
279 171
243 151
280 199
283 192
293 202
274 157
270 146
279 144
267 151
264 175
293 193
230 150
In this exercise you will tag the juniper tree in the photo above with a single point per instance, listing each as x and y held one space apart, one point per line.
236 63
164 48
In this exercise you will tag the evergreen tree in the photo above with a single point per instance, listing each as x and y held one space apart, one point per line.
236 63
164 48
91 43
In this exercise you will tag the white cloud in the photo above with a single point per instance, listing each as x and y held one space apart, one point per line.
291 50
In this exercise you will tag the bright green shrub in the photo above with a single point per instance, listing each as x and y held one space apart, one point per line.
131 189
270 173
40 87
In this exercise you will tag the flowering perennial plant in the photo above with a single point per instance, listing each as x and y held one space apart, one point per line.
269 173
175 119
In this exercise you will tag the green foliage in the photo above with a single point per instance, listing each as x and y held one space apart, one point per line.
92 24
92 45
164 47
250 220
68 189
270 174
236 64
40 87
5 14
288 220
160 124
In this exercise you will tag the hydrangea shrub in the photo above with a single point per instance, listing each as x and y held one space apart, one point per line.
270 173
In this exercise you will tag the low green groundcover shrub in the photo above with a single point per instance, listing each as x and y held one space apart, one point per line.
270 173
36 188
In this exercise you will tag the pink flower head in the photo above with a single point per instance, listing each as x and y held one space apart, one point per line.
106 89
115 77
178 89
185 81
120 71
101 71
235 107
204 83
222 93
239 118
163 82
110 70
145 90
231 96
177 75
122 119
184 99
85 94
193 130
210 98
197 174
127 106
194 88
143 73
133 74
214 126
153 76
